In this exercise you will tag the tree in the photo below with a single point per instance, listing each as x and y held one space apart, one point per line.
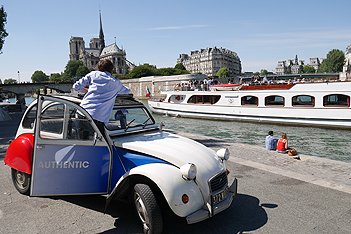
82 71
143 70
308 69
263 72
0 82
71 70
180 66
39 76
334 61
10 81
55 77
223 72
3 32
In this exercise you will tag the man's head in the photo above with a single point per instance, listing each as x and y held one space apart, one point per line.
270 133
105 65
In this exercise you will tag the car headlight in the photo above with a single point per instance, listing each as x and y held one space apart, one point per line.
223 153
188 171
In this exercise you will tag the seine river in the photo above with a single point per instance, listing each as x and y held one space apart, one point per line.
327 143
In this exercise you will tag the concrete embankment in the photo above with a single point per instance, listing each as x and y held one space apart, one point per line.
320 171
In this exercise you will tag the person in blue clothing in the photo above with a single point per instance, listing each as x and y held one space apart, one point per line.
101 91
271 141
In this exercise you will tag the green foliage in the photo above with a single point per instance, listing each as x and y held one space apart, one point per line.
10 81
71 69
263 72
308 69
39 77
0 82
180 66
143 70
150 70
223 72
3 32
334 61
82 71
55 77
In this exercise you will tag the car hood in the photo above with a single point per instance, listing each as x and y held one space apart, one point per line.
174 149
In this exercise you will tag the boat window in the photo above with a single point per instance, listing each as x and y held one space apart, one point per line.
204 99
176 98
303 100
336 100
28 121
249 100
274 101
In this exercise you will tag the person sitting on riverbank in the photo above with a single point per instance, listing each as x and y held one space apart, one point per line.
282 144
271 141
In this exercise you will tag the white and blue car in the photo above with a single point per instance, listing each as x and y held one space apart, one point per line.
58 150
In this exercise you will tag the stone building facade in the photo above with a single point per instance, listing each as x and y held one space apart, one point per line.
346 71
295 66
208 61
97 50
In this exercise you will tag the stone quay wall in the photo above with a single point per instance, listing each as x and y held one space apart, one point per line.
156 84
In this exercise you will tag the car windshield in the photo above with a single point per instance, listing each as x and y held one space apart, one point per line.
128 118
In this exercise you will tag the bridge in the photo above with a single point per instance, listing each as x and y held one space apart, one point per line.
21 89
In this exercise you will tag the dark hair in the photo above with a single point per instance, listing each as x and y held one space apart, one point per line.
270 133
105 65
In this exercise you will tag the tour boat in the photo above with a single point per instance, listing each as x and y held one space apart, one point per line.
323 104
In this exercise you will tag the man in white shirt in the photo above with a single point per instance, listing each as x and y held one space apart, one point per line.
101 91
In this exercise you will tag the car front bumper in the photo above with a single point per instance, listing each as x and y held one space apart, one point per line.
203 213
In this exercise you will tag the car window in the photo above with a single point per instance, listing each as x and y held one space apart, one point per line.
51 121
79 127
29 119
127 118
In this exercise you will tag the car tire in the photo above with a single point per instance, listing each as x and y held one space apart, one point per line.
21 181
147 209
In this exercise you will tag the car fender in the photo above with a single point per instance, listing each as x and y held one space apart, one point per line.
19 154
170 182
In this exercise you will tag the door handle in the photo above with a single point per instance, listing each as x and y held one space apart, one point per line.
40 147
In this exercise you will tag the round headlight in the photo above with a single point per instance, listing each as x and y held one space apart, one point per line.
223 153
188 171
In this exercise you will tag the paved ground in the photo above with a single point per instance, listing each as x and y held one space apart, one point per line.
277 194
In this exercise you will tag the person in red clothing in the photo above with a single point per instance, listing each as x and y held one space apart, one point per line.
282 145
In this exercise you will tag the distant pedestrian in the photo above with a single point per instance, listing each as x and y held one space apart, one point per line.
271 141
282 145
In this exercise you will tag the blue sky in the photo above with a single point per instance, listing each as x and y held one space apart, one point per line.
262 32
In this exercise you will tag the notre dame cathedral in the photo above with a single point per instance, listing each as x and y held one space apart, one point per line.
97 50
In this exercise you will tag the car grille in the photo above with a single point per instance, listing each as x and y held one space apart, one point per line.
219 182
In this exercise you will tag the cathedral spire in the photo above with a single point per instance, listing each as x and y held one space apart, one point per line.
101 35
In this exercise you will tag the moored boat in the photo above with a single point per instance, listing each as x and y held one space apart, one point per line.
324 104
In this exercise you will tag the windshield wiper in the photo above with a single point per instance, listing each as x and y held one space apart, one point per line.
128 124
144 124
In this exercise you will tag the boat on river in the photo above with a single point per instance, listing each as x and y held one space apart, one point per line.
322 104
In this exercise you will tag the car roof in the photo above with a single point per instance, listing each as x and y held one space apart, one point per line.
121 100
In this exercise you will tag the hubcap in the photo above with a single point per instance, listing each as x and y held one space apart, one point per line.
21 179
141 210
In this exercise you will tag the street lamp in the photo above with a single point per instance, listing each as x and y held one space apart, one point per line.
18 74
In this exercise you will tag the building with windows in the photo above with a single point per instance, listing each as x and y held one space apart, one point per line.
97 50
208 61
295 66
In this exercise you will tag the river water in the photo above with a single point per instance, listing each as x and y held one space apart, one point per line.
326 143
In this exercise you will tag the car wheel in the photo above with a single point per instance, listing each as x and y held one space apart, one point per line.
147 208
21 181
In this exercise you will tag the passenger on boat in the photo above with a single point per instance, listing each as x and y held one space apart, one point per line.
271 141
282 145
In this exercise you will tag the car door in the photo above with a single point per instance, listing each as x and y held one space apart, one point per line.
70 155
